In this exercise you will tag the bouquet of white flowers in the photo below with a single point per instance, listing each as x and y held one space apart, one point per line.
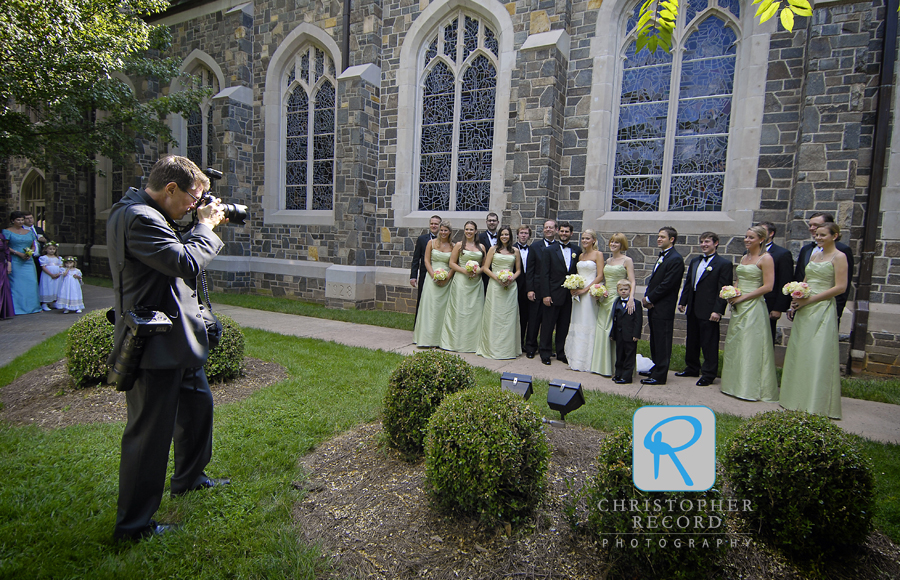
728 292
574 282
796 290
598 291
440 275
472 266
504 276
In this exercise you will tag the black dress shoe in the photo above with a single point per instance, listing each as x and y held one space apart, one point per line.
686 374
644 373
616 378
546 361
704 383
206 484
619 381
562 358
652 382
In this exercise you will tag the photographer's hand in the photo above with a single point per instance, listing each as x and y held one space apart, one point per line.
211 214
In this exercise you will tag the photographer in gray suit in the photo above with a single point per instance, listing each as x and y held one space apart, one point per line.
155 267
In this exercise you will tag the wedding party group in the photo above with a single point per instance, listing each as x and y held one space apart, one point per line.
498 295
33 277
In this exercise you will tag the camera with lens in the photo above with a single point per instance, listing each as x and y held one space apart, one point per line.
141 323
235 213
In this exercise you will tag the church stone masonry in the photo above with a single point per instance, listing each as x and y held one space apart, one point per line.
800 140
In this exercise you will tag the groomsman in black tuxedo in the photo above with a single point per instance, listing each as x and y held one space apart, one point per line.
418 271
659 301
534 289
488 238
806 252
776 302
557 262
707 273
525 306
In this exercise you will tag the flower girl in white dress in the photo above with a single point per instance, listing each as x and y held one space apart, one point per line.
70 297
52 267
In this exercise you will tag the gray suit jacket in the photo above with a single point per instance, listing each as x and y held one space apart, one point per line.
158 268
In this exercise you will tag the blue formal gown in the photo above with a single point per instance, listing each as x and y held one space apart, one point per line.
23 278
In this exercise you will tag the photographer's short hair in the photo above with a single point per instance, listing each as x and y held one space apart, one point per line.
175 168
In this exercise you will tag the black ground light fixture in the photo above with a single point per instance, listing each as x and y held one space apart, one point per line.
564 396
518 384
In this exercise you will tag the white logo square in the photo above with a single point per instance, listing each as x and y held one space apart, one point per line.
674 448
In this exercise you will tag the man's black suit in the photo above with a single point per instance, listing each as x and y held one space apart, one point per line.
485 240
558 315
419 270
662 293
702 333
525 305
533 284
776 301
155 267
626 329
803 260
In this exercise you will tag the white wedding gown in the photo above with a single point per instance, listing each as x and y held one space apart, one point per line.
580 342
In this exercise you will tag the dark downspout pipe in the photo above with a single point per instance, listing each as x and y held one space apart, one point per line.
346 57
876 183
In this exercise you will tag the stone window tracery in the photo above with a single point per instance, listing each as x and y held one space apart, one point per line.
310 132
201 133
457 107
675 114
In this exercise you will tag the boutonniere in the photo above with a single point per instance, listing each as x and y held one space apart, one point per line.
709 268
660 260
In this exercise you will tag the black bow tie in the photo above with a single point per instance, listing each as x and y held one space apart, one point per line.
663 254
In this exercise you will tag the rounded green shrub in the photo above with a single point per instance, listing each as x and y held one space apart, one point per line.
486 455
89 342
417 386
226 361
631 523
811 487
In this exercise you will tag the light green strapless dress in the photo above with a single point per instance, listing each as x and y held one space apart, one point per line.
748 370
462 322
604 359
430 320
501 333
811 380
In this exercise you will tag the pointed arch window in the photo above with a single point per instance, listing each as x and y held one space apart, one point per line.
675 113
458 94
201 133
310 132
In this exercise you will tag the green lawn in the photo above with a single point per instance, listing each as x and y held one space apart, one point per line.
57 499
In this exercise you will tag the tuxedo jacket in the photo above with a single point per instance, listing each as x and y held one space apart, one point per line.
784 271
528 266
703 300
484 239
554 272
626 326
803 260
533 272
662 288
157 267
418 270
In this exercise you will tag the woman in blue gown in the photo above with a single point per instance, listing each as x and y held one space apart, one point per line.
23 274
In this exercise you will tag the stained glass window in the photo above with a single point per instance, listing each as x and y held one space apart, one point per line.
201 132
459 87
672 136
310 133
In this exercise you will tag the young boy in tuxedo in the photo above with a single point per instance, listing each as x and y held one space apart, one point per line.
626 330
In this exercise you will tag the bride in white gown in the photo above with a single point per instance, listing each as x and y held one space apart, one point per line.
580 342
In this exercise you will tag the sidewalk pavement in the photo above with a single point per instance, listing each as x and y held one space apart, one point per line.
876 421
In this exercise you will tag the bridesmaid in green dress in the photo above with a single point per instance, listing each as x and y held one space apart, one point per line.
436 293
811 380
618 267
748 371
462 323
500 332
